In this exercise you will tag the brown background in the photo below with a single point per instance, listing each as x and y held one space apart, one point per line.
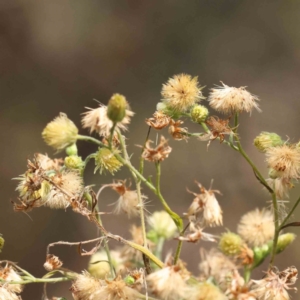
57 56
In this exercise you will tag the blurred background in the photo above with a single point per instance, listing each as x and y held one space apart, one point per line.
57 56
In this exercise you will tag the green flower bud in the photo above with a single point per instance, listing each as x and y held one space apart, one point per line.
266 140
260 253
129 280
2 241
161 106
199 113
230 243
116 108
284 240
105 160
74 162
72 150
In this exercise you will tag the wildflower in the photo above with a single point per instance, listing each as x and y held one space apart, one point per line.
284 240
162 224
168 283
266 140
74 162
230 243
99 266
199 114
275 284
205 291
106 160
60 133
178 133
98 121
285 160
157 154
227 99
159 120
52 262
64 186
207 204
257 227
215 264
116 108
9 274
181 92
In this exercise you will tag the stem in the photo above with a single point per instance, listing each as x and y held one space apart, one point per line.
159 246
38 280
289 214
177 253
112 135
277 229
247 274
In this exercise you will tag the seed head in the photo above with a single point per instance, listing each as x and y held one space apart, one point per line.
60 133
181 92
52 262
227 99
285 160
9 274
257 227
205 291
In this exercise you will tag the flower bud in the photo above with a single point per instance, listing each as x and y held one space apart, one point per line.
266 140
72 150
116 108
199 113
105 160
74 162
2 241
230 243
60 133
284 240
260 253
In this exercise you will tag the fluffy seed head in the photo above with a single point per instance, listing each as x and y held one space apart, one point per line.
9 274
105 160
285 160
227 99
205 291
266 140
181 92
256 227
60 133
162 224
230 243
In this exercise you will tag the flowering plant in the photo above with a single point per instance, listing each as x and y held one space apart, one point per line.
137 270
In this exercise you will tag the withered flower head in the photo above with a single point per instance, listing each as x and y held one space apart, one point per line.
275 284
157 154
178 133
285 160
98 121
9 274
52 262
227 99
159 120
218 127
196 234
256 227
181 92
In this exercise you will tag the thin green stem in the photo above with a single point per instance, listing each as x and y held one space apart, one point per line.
159 247
247 274
141 168
277 229
112 135
178 251
289 214
38 280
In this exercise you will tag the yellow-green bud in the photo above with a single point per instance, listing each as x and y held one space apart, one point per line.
72 150
73 162
60 133
284 240
2 241
105 160
199 113
266 140
230 243
129 280
260 253
116 108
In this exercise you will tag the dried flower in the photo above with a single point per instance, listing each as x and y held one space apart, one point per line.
275 284
168 283
219 128
196 234
256 227
266 140
281 186
285 160
52 262
199 114
98 121
60 133
178 133
227 99
205 291
230 243
9 274
157 154
181 92
105 160
246 255
46 163
159 120
162 224
116 108
7 295
206 203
